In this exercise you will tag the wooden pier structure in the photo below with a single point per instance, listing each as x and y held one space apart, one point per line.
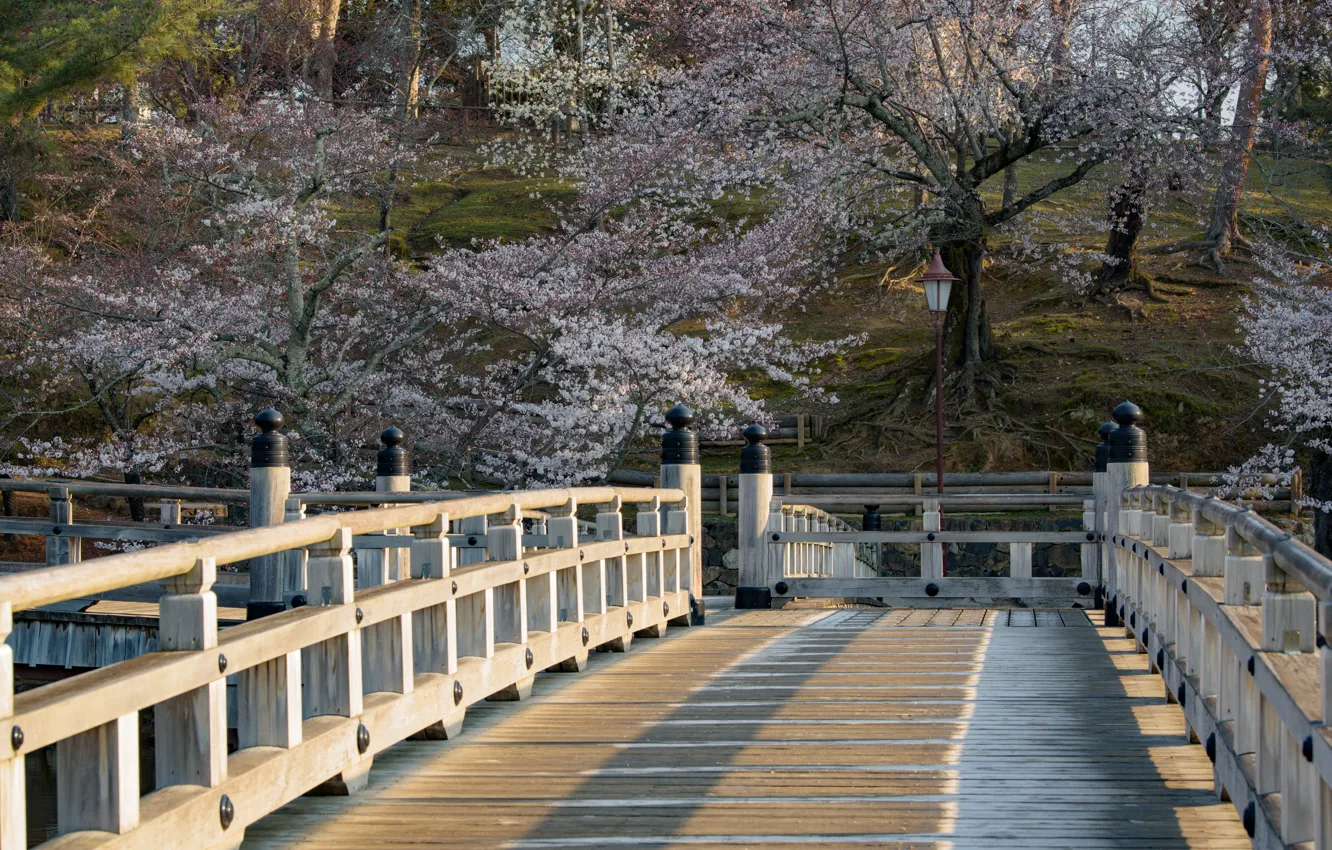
405 674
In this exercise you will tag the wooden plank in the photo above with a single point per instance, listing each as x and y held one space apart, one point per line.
661 767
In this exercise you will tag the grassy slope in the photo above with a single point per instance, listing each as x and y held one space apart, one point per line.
1064 362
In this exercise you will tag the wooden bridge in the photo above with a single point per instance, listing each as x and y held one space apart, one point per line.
1169 694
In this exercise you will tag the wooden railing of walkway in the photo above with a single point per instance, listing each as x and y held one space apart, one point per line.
325 686
1228 608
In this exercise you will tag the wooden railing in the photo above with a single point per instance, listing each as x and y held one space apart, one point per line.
1227 606
785 543
817 555
471 610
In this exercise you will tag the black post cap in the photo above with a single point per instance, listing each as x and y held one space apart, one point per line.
269 448
393 459
1103 447
755 458
1128 442
679 445
871 520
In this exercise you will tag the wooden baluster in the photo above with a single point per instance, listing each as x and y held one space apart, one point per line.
1089 552
562 533
434 646
1179 531
1270 735
1245 570
268 695
169 511
293 570
1290 613
331 669
931 554
99 778
190 730
1019 560
677 564
610 526
13 800
505 542
62 549
1160 519
648 524
1299 785
1209 546
472 549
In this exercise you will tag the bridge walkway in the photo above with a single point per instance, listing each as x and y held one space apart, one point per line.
846 728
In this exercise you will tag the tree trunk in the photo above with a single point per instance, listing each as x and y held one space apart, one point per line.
967 335
138 511
129 111
1320 489
409 57
1010 184
325 46
9 196
1224 228
1126 218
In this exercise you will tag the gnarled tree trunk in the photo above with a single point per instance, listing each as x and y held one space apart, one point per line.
1320 489
1223 231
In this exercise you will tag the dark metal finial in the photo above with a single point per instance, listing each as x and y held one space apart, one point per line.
269 448
1128 442
680 418
1103 447
393 459
679 445
1104 431
755 458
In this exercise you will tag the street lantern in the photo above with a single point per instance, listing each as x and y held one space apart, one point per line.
938 284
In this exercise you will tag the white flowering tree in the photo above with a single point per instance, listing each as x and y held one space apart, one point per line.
1288 331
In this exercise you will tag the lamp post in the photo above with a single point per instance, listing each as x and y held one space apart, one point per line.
938 284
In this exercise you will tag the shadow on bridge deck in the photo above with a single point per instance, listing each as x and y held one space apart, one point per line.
852 729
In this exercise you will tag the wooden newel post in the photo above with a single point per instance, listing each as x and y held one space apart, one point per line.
13 788
270 484
1104 550
393 474
1126 466
680 470
755 496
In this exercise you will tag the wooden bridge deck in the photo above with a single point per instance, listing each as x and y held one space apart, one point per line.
852 728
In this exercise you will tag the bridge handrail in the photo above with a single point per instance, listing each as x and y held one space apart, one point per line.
1191 572
371 666
1311 569
34 588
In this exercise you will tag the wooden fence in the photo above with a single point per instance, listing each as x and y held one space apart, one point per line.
324 686
1233 612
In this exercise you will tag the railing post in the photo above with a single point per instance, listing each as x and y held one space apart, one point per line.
1088 551
1245 570
1179 531
293 571
270 485
1105 548
13 790
680 470
1126 466
872 521
190 730
1289 611
505 543
59 549
332 668
610 526
752 515
648 524
1209 546
931 554
434 642
393 474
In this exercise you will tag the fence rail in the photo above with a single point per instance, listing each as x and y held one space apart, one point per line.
323 687
1228 608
